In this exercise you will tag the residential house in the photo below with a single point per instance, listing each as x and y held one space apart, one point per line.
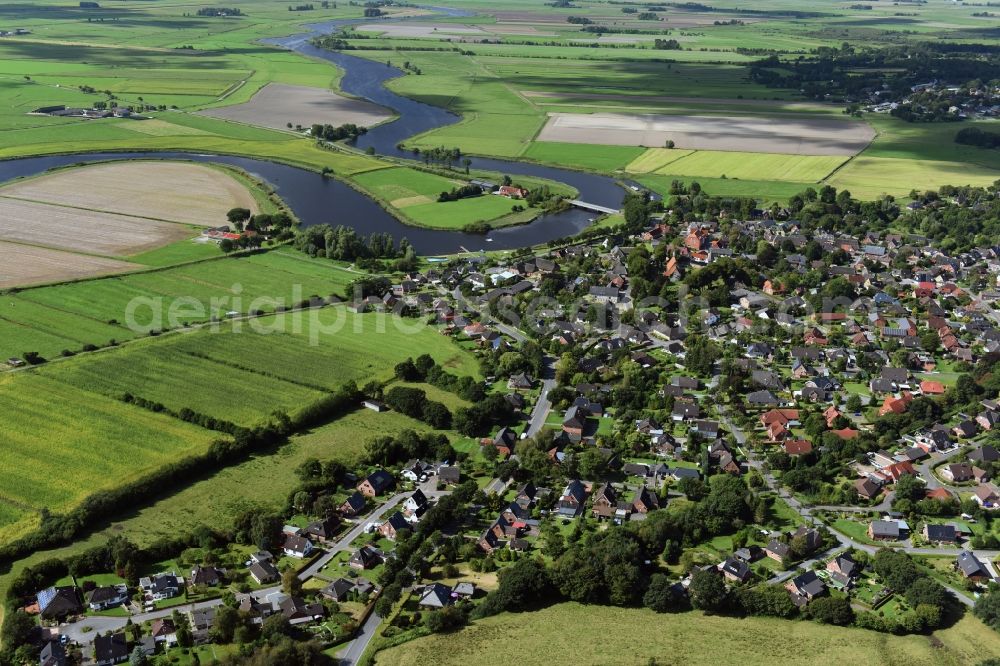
777 550
162 585
323 529
867 488
163 631
435 595
415 505
364 558
298 612
206 576
353 505
940 533
572 499
376 483
735 570
58 602
645 501
391 527
107 596
605 502
971 567
986 496
52 654
844 565
297 545
111 648
805 587
450 475
957 472
884 530
264 572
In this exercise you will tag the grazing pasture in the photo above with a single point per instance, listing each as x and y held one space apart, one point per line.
414 193
804 135
27 264
277 104
682 638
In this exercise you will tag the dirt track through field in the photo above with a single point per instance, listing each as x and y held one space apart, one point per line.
277 104
24 264
757 134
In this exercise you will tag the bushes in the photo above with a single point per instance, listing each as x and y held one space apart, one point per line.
413 402
973 136
408 444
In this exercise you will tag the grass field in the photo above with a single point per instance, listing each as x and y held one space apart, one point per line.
67 316
66 444
296 358
688 639
756 166
583 156
414 194
214 499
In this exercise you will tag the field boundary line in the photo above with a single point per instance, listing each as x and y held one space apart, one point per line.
98 210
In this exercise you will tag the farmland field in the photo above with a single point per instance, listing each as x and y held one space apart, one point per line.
869 177
296 359
214 499
173 191
59 428
762 166
804 135
67 316
683 638
87 231
27 264
278 104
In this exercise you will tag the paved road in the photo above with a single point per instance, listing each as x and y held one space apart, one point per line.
540 411
352 653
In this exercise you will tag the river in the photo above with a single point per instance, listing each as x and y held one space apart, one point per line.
318 200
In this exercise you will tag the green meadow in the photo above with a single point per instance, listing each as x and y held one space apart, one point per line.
641 636
242 371
66 444
68 316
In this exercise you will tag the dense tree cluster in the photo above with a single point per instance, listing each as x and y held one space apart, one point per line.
328 132
414 403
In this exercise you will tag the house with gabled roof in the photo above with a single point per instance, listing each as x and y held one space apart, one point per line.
58 602
376 483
